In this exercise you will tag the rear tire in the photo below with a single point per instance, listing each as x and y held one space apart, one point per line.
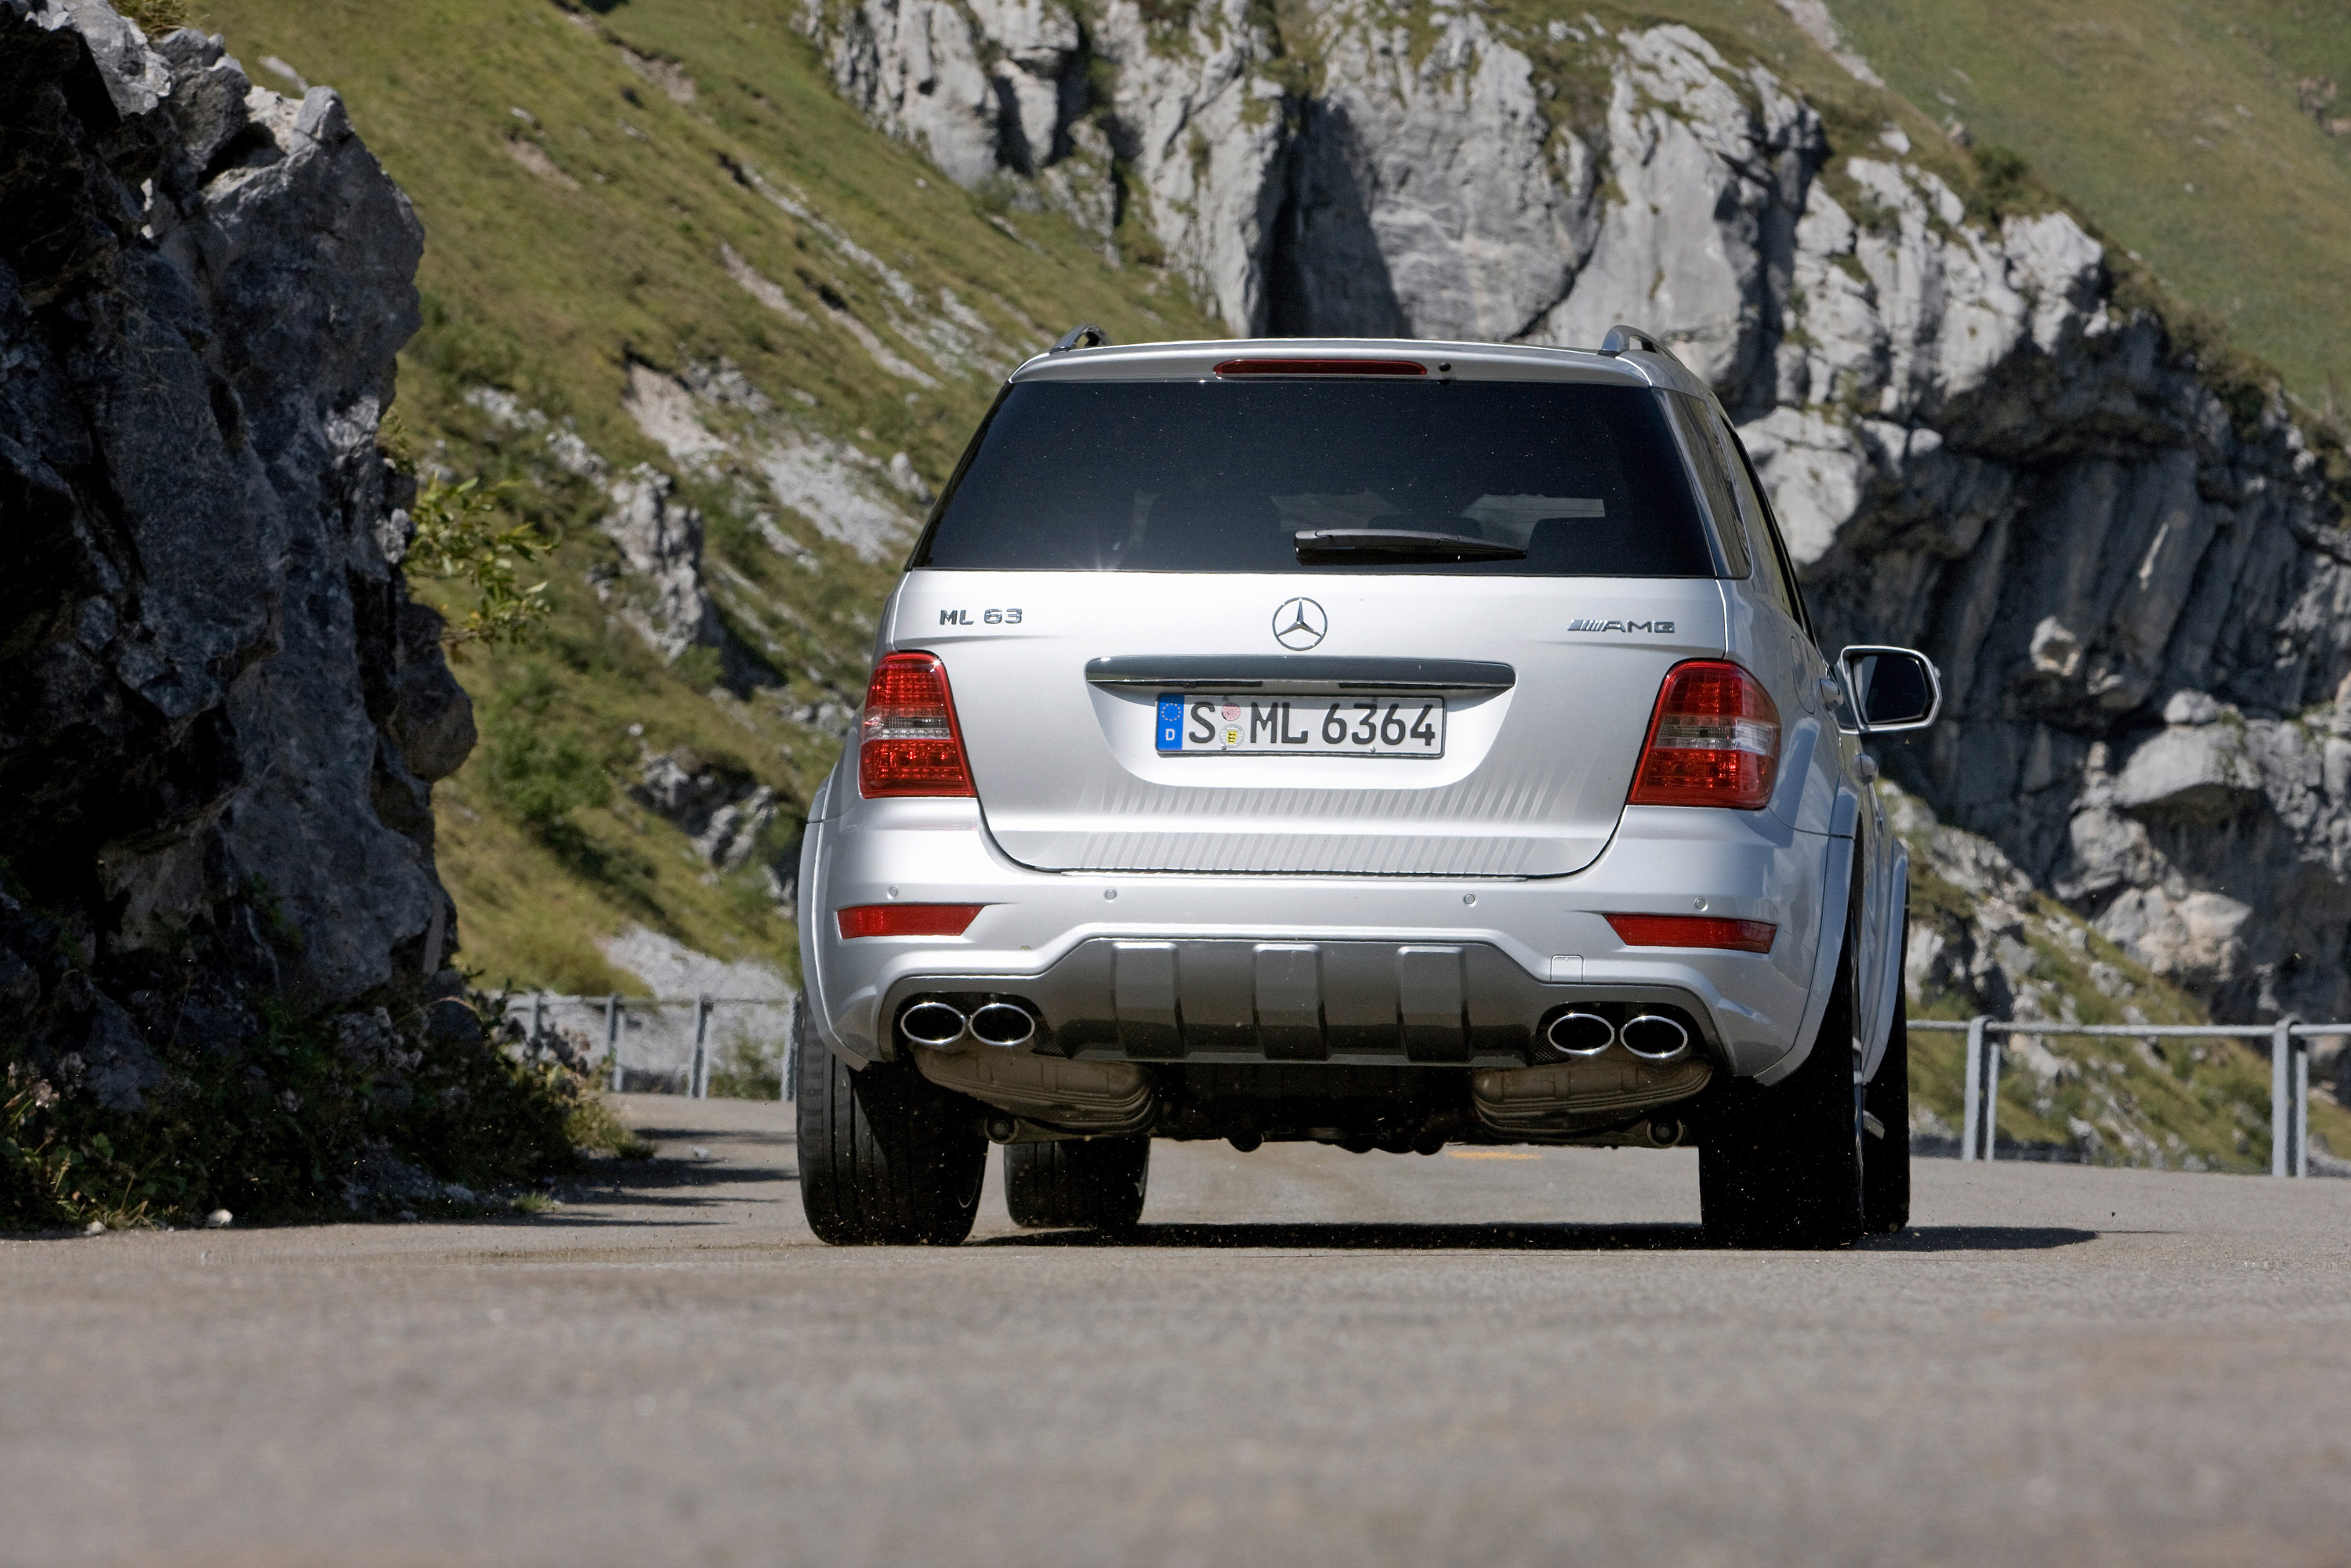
1782 1167
886 1156
1093 1184
1886 1161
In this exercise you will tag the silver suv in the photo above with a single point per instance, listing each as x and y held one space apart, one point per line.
1385 744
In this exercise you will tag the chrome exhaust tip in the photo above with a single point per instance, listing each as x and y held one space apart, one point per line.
1580 1034
1003 1023
932 1023
1654 1039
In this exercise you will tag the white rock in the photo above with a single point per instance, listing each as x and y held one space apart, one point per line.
218 1219
661 546
2199 770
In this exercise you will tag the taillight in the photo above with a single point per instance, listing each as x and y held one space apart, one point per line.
1714 741
907 919
1693 931
909 743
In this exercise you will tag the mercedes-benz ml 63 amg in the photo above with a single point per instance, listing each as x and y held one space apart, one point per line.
1382 744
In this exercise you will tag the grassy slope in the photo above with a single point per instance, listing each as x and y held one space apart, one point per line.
2205 1104
548 282
2125 105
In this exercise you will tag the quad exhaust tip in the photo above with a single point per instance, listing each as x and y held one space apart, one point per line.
1581 1034
1003 1023
933 1023
1653 1038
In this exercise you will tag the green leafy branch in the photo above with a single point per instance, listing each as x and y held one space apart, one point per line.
458 536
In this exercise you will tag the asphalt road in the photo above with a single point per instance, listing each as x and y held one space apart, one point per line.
1306 1357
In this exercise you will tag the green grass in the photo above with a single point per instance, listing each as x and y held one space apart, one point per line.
2124 104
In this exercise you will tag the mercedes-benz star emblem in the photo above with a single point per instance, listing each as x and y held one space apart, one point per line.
1300 624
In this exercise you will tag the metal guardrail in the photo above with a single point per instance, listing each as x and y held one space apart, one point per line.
615 1008
2289 1074
2289 1059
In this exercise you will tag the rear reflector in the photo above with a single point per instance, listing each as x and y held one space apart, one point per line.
1693 931
1322 368
1713 741
909 742
907 919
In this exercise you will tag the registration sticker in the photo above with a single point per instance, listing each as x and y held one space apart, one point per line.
1367 724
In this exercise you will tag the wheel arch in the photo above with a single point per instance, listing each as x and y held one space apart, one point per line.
1838 882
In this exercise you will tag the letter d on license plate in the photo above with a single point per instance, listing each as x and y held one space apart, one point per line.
1191 724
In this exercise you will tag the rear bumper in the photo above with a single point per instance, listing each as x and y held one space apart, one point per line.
1228 969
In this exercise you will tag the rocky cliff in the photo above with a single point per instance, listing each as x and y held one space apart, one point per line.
2128 564
220 713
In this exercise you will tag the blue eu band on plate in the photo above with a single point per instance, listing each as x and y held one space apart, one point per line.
1171 724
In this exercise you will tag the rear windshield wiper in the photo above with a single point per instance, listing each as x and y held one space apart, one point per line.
1332 545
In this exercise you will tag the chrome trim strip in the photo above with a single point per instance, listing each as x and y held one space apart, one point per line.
1300 673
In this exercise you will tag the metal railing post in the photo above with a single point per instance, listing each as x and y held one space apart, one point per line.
2301 1106
2281 1098
1971 1120
2289 1099
538 1024
1992 1051
699 1078
613 1042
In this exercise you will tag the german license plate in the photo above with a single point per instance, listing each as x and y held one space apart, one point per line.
1192 724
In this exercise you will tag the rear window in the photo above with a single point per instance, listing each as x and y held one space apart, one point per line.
1467 478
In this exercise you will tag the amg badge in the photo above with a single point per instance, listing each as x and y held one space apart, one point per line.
1658 628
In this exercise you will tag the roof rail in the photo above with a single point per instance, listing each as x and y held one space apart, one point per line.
1086 337
1622 338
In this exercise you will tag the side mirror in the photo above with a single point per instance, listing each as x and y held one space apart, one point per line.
1894 689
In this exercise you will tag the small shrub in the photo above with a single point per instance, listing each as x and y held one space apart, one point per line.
700 667
2003 181
538 776
594 1129
746 1069
458 536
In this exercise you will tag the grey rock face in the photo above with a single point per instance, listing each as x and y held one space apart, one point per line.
1191 134
220 713
1972 447
1398 164
660 545
717 807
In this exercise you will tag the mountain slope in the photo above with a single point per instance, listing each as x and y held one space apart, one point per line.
656 236
2205 136
721 332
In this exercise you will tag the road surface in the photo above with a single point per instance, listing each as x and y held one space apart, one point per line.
1306 1357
